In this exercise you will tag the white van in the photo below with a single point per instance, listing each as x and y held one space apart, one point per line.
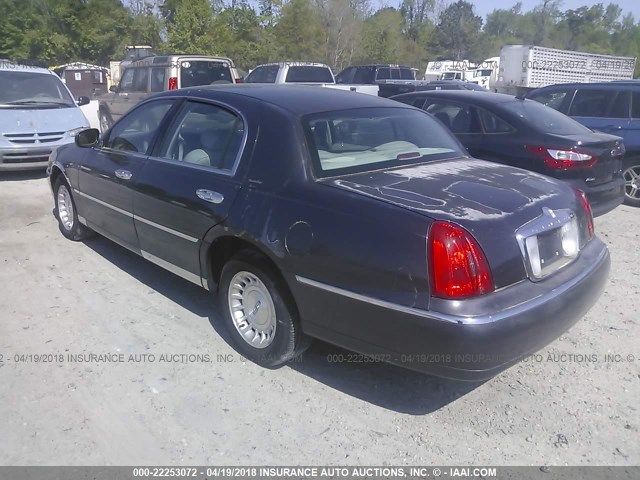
37 115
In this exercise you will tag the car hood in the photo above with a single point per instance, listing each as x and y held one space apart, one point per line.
30 120
488 199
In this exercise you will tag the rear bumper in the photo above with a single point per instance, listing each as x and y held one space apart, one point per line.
466 340
606 197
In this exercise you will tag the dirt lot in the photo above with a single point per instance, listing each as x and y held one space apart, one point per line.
61 298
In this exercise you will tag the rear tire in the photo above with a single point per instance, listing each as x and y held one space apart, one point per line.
67 214
258 313
631 173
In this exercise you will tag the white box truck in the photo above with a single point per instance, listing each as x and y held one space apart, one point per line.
525 67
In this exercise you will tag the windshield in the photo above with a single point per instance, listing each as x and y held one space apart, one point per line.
33 89
360 140
482 73
197 72
544 118
309 74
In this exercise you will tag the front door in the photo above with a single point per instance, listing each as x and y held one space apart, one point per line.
110 171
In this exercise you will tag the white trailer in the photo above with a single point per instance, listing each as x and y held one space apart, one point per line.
525 67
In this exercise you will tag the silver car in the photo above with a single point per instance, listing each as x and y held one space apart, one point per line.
37 115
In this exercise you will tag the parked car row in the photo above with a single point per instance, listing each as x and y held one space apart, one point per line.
526 134
350 218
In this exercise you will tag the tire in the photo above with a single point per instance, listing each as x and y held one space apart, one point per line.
273 336
67 214
631 173
105 121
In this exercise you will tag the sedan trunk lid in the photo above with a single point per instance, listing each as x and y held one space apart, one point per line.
490 200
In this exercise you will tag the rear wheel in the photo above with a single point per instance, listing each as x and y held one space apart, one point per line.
258 313
67 214
631 173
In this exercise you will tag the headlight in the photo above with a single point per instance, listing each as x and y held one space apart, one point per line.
75 131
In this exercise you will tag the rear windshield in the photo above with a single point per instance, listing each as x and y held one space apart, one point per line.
309 74
360 140
37 90
203 72
544 118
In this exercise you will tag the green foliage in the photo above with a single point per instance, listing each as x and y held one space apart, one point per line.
336 32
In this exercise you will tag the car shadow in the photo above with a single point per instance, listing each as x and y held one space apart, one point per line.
20 176
381 384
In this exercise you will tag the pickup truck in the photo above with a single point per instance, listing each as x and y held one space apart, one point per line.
303 73
391 79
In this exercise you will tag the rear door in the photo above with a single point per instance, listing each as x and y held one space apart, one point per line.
109 173
605 110
188 185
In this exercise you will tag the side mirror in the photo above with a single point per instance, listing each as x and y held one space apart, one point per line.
88 138
83 101
113 88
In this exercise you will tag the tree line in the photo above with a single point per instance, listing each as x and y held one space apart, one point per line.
336 32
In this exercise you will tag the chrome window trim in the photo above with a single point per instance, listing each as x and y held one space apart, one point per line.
243 143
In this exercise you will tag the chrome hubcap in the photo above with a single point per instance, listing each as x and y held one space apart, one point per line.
65 208
252 309
632 182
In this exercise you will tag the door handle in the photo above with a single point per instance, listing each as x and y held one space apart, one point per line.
209 196
124 174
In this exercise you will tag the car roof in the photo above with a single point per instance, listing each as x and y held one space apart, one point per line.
297 99
472 96
163 59
293 64
613 84
14 67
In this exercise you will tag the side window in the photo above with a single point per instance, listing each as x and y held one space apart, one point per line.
620 107
255 76
458 118
140 79
135 131
157 79
270 73
635 107
126 82
383 74
550 99
204 134
346 75
597 103
492 123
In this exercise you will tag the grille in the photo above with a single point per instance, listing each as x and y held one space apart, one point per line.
34 138
42 156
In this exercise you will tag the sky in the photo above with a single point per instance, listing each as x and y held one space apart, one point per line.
487 6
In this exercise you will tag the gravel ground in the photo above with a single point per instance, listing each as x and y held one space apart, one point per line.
62 298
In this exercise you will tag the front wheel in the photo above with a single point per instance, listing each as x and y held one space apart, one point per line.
67 214
258 312
631 174
105 121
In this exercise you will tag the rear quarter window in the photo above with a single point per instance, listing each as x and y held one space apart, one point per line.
553 99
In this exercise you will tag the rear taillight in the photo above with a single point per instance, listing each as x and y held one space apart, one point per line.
458 266
559 159
586 206
173 83
238 80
